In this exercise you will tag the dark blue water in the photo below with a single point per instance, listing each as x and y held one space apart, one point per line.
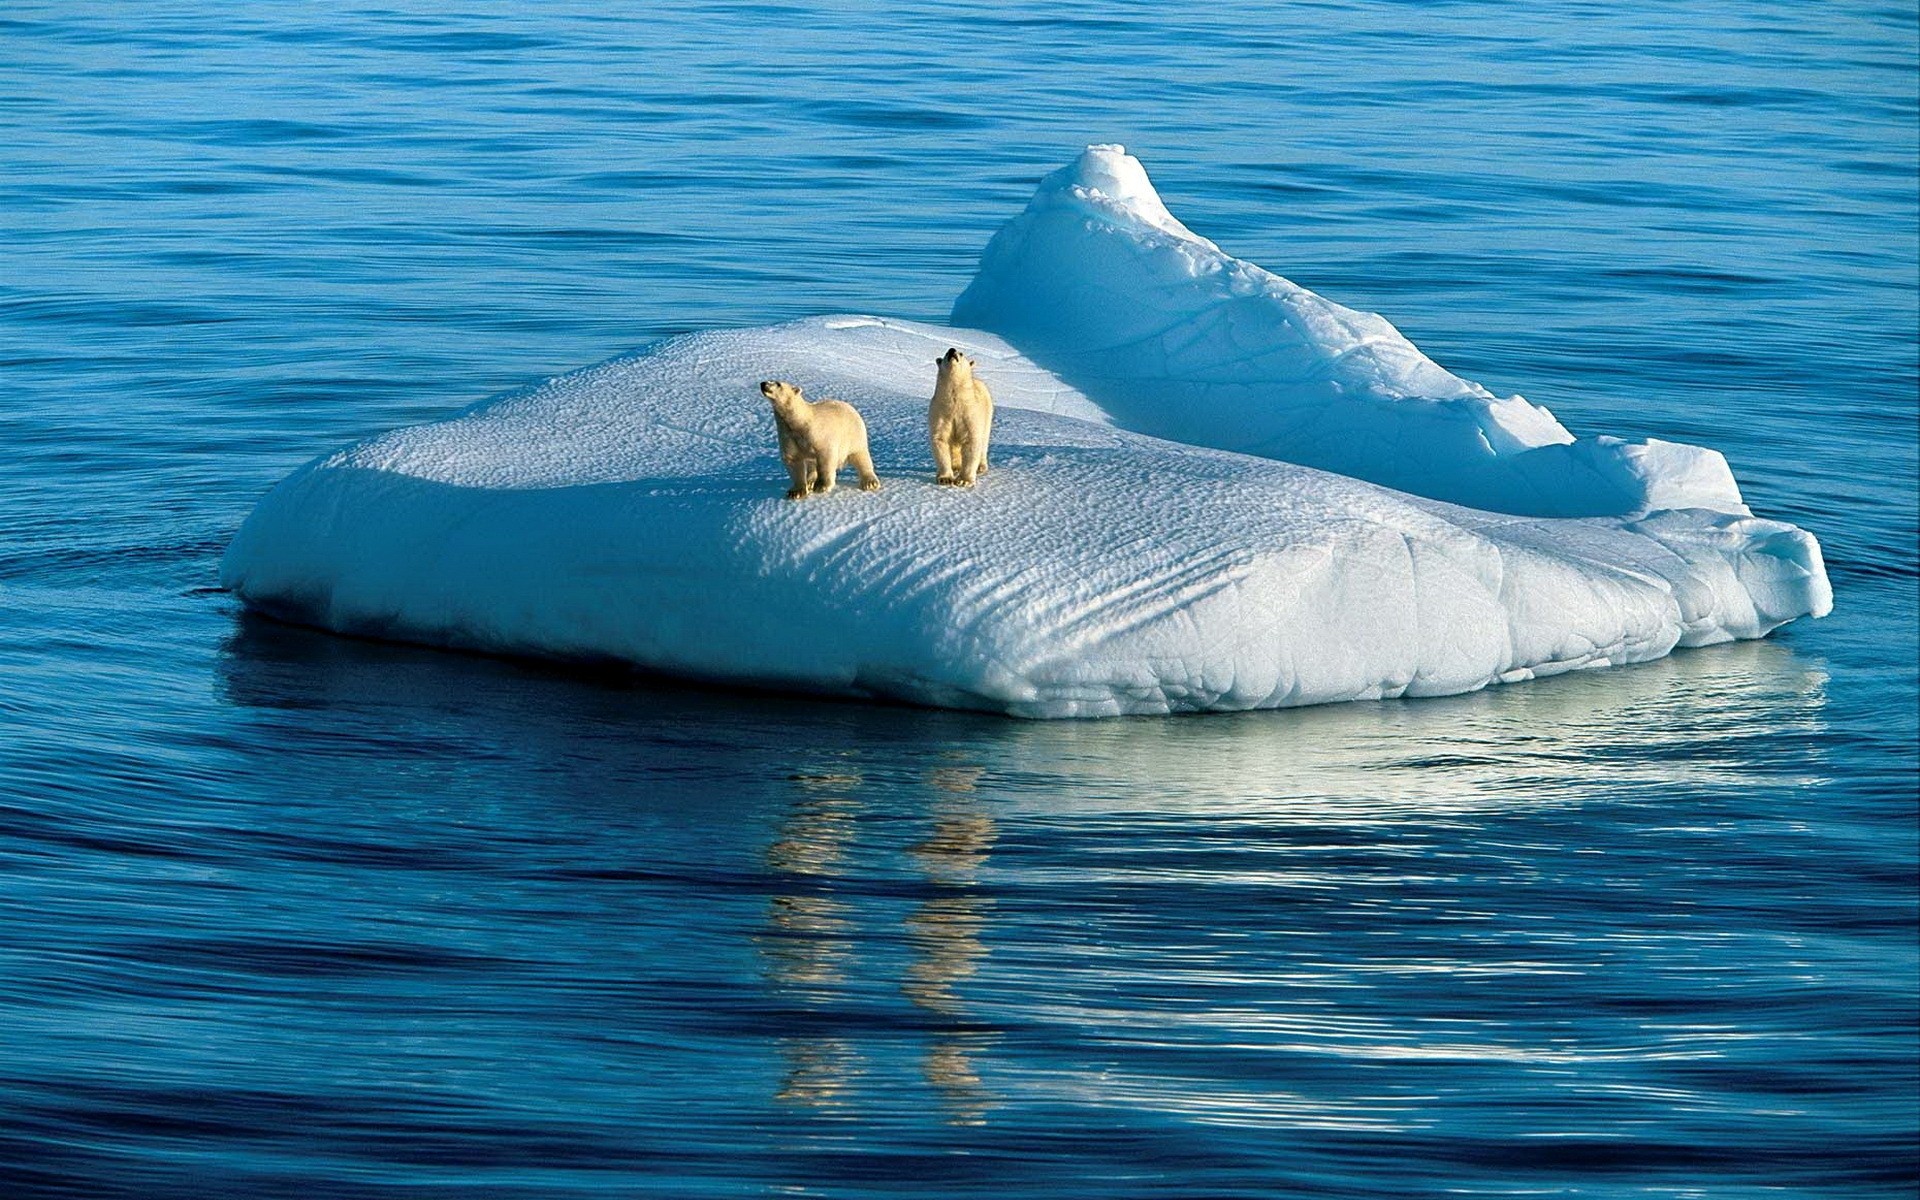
289 915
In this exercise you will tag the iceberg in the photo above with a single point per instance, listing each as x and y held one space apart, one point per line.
1098 282
1181 515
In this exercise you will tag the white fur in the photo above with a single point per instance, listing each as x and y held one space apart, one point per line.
960 420
817 438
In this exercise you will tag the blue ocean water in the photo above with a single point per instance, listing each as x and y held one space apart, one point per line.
293 915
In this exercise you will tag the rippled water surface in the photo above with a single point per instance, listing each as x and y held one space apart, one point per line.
290 915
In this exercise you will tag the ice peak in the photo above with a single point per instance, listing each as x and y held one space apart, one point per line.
1112 179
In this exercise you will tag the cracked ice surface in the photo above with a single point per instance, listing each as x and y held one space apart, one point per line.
633 511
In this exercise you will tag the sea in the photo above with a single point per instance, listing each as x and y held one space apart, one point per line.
292 915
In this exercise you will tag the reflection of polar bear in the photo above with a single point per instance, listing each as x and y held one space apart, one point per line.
816 438
960 420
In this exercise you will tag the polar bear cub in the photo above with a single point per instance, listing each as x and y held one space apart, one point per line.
817 438
960 420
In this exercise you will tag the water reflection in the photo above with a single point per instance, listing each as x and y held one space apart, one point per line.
1714 717
876 841
944 933
808 943
1706 717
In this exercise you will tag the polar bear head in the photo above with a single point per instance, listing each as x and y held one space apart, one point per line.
784 397
955 366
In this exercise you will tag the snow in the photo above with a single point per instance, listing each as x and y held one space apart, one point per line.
634 511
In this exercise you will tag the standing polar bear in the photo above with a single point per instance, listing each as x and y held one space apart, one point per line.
960 420
816 438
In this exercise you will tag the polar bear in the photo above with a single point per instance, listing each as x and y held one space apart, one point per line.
960 419
816 438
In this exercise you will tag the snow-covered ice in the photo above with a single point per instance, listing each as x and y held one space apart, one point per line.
634 510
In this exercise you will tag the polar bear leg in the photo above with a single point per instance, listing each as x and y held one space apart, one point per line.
942 454
976 453
829 467
800 470
963 458
863 463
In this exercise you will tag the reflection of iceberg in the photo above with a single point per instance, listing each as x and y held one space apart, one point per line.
1690 720
631 511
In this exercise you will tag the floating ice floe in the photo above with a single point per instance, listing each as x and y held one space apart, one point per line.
634 511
